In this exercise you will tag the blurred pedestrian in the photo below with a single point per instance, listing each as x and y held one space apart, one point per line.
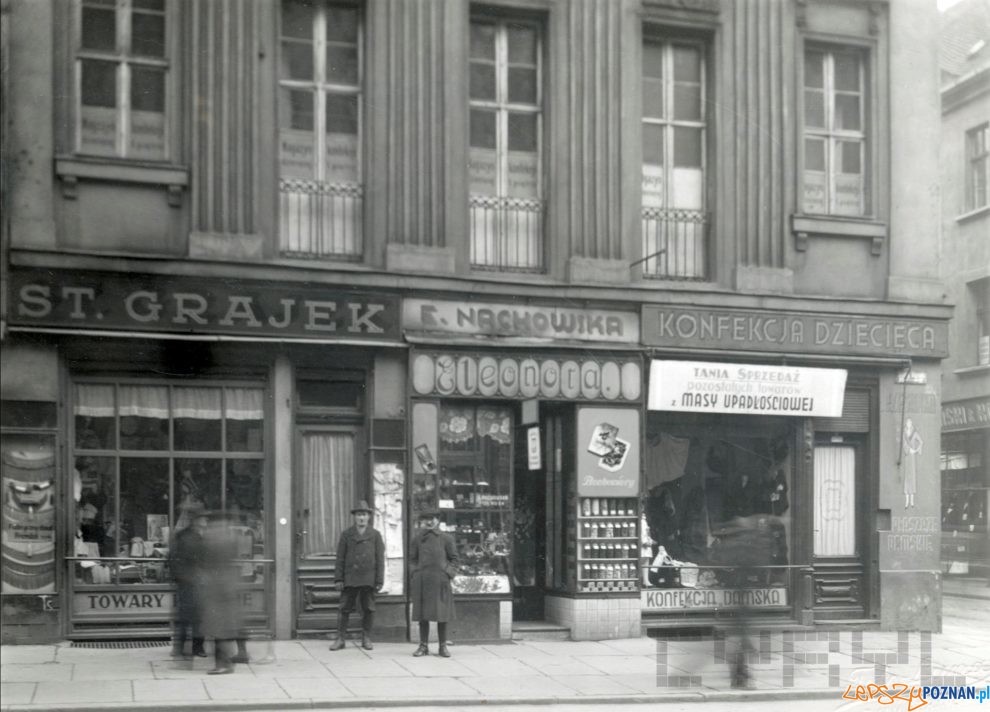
221 607
745 544
433 558
186 559
360 574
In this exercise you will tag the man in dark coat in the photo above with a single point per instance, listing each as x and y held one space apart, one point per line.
187 555
433 558
221 606
360 574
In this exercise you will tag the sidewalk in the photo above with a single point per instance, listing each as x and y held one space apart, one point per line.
304 674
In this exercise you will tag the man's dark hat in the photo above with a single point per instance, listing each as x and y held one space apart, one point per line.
362 506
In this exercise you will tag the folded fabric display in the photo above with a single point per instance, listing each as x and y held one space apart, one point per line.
668 572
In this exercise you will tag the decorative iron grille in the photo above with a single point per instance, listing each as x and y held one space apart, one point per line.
318 219
675 244
506 234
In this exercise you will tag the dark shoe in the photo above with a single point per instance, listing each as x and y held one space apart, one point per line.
221 671
421 651
240 659
443 652
366 643
338 644
199 653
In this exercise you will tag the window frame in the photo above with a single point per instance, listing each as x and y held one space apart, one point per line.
125 59
866 60
977 163
980 293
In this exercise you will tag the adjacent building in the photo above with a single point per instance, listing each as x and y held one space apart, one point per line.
965 171
592 278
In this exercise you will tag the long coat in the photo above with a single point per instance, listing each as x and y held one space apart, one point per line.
187 556
433 558
360 558
219 585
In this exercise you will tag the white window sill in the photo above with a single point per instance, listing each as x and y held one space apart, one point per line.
833 226
70 169
983 210
972 370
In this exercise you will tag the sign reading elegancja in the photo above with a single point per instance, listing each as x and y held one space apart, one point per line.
704 387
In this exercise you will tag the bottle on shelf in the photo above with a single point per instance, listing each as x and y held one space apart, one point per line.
586 507
595 507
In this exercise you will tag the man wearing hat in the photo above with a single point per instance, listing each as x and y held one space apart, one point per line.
360 573
433 557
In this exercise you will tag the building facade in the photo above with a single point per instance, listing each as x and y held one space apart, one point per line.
593 278
965 465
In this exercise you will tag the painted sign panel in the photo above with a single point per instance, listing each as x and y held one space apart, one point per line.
608 452
147 603
679 599
966 415
533 449
706 387
526 321
188 305
787 331
501 376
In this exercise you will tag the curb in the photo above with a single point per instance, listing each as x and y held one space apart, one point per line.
366 702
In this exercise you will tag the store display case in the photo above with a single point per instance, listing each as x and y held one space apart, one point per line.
607 544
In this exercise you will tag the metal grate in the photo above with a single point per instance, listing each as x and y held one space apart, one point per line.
119 644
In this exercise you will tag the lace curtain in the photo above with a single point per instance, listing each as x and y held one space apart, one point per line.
835 501
459 424
203 403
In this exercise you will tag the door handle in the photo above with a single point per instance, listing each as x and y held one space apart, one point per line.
301 533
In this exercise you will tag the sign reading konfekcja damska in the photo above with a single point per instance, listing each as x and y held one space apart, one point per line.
704 387
95 300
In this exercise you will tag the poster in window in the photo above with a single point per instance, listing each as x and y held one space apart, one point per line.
28 477
652 186
98 130
814 192
523 180
342 158
295 154
688 188
849 194
482 172
389 486
147 135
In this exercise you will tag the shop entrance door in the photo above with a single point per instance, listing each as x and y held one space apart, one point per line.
327 460
841 585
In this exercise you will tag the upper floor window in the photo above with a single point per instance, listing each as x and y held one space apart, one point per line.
978 167
505 161
122 71
981 295
835 133
674 138
319 124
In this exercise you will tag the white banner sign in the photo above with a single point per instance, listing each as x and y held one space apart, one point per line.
678 599
703 387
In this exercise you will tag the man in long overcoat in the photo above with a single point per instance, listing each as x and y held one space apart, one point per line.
221 606
360 574
187 555
433 558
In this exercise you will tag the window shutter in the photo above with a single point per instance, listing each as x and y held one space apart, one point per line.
855 416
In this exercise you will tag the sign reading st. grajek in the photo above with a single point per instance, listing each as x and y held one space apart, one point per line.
113 301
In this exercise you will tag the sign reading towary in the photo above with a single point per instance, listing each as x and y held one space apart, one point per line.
114 301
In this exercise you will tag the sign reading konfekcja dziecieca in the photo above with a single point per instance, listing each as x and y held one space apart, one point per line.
778 331
96 300
704 387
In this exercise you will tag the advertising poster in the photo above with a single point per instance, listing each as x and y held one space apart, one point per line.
28 474
608 452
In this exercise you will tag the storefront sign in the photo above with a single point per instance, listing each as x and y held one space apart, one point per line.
800 333
533 449
679 599
187 305
150 603
608 452
704 387
498 376
526 321
966 415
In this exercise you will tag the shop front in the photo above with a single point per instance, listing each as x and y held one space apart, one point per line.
530 450
174 395
808 438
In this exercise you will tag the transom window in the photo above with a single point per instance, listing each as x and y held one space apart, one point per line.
674 130
122 71
319 121
505 159
978 167
835 132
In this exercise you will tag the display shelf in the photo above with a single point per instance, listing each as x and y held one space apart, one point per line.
606 551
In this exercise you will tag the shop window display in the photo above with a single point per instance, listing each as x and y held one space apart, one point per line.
470 483
699 480
146 454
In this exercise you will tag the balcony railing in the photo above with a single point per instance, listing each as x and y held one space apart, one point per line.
319 220
675 243
506 234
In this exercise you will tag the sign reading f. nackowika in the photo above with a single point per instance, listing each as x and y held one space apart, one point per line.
704 387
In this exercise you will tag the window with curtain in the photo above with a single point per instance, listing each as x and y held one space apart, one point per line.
122 77
145 455
835 132
505 154
674 134
320 128
835 500
328 489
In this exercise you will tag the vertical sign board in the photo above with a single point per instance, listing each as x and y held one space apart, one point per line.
533 449
608 452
